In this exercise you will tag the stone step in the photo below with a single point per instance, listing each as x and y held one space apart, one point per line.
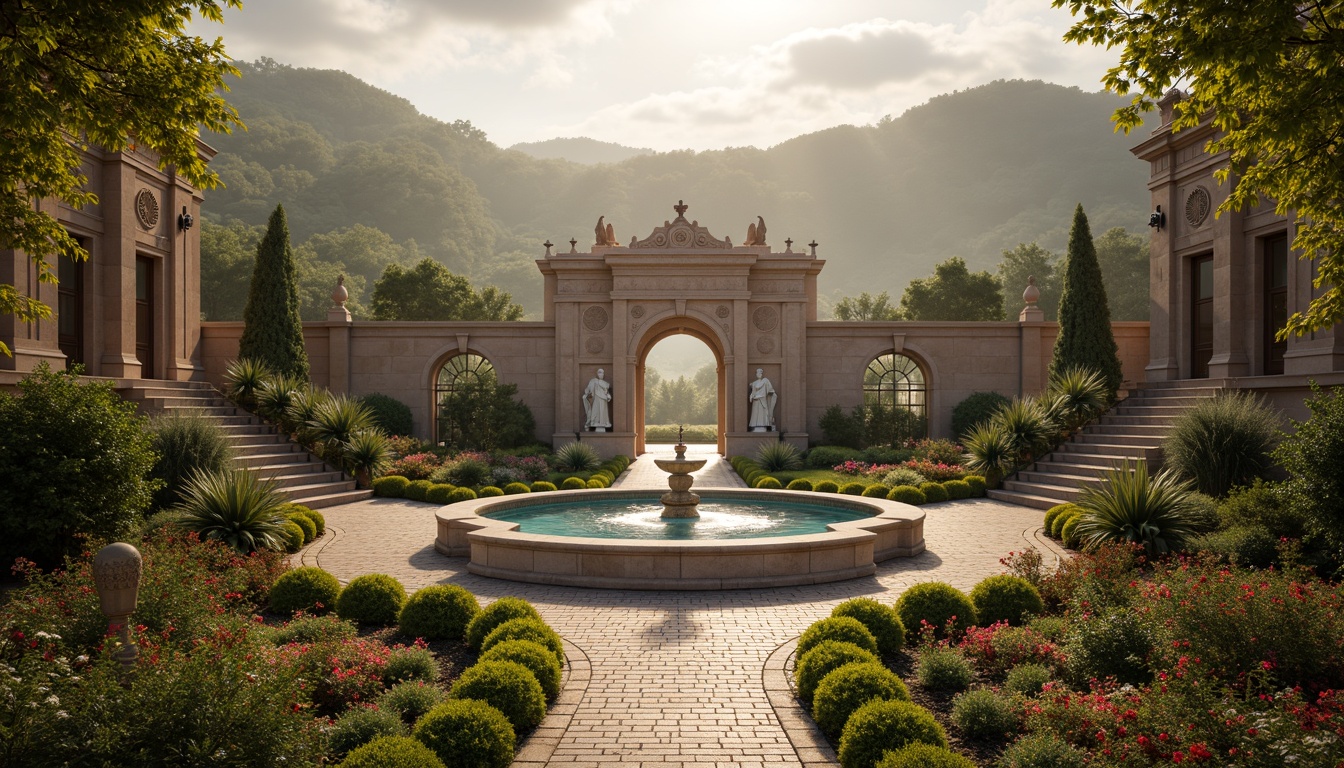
1133 420
1056 464
1062 493
1137 441
262 441
1154 410
1047 477
311 466
1109 451
319 476
1024 498
1143 430
294 455
332 499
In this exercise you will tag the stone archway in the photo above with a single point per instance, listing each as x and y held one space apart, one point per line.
675 326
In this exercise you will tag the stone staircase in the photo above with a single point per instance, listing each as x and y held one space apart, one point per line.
257 446
1132 430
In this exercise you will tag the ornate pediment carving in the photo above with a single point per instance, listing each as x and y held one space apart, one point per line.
680 233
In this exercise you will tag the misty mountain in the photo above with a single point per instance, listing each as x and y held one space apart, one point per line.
581 150
968 174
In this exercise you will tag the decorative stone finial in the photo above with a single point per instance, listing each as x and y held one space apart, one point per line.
549 245
340 294
1032 294
572 243
680 208
788 245
813 246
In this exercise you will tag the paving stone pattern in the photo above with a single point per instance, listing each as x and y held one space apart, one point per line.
674 678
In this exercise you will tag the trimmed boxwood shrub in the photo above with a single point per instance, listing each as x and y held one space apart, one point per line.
879 619
977 483
769 483
799 484
924 756
461 494
984 714
534 630
391 486
843 628
507 686
374 598
411 700
876 491
536 657
311 514
1054 512
853 489
940 668
1005 598
490 490
307 589
1066 532
515 488
440 493
1042 750
417 489
409 663
1027 679
573 484
360 725
293 535
882 726
934 492
541 486
849 687
393 752
907 494
827 456
957 490
935 602
595 483
1057 525
822 660
826 486
467 734
496 613
308 527
439 612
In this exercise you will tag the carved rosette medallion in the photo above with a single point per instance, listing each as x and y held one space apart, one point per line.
722 311
765 345
595 318
1197 206
765 318
147 208
637 311
594 345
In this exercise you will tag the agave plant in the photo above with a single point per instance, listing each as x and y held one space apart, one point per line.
1027 428
243 378
234 507
1134 507
366 454
576 457
1080 394
778 457
275 395
990 452
302 411
334 423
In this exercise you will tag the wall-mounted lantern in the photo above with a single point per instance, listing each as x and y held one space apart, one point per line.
1157 219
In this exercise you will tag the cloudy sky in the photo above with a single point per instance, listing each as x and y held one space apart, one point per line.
665 74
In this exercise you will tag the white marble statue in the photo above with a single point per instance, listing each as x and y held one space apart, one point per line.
762 398
596 403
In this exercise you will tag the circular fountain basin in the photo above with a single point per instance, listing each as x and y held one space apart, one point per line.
632 548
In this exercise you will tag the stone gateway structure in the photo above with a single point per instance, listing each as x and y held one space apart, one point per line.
753 306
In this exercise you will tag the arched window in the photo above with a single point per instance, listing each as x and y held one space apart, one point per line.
895 381
457 375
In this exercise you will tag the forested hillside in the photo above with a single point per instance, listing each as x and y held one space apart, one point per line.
580 150
968 174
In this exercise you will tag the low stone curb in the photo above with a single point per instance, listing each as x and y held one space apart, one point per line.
537 748
804 735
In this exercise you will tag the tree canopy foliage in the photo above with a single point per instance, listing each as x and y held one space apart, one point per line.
429 291
115 75
272 330
1270 78
1085 339
866 307
953 293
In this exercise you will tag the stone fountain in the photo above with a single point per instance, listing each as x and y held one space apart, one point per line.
680 502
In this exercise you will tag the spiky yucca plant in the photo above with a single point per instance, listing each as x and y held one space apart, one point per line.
576 457
1134 507
778 457
275 395
366 454
243 378
1026 427
990 452
1080 395
302 410
234 507
334 423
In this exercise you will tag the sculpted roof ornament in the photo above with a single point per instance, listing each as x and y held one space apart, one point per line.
680 233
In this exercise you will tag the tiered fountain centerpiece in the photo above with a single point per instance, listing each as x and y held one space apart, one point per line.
680 502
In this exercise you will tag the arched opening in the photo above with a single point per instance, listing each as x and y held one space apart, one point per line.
457 374
895 384
680 380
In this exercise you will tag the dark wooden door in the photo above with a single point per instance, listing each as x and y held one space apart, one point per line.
1276 302
70 310
144 316
1201 319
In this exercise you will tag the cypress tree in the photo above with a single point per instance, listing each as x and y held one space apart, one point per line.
1085 338
272 331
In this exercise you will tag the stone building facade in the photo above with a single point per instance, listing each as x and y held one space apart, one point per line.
132 310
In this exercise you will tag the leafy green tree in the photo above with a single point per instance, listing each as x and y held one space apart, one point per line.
429 291
1124 269
74 459
866 307
1312 454
1270 76
482 414
228 255
1085 339
272 330
1026 261
953 293
110 74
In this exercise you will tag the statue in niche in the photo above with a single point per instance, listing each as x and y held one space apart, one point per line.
605 233
761 395
756 232
597 403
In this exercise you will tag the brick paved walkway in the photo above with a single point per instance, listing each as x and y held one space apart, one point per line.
672 678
